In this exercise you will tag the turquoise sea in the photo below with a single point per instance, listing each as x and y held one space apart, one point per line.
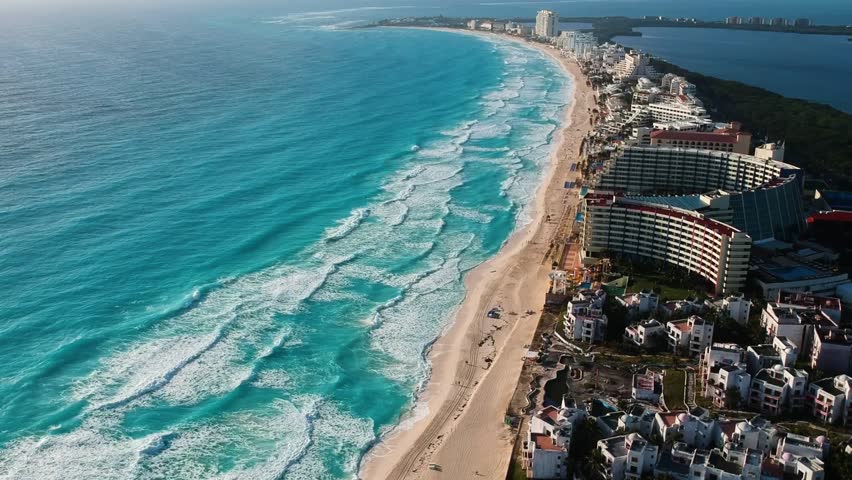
228 240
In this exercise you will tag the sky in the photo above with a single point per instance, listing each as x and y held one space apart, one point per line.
823 11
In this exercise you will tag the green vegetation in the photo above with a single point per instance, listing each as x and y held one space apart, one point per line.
670 282
839 465
663 285
516 470
818 137
673 389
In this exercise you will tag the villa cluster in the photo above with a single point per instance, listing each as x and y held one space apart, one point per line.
799 329
644 442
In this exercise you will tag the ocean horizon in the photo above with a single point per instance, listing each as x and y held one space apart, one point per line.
230 241
232 234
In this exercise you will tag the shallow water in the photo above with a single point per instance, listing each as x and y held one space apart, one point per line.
227 242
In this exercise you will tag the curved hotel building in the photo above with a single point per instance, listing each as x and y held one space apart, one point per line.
698 209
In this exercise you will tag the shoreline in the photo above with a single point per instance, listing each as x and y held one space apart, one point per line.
474 441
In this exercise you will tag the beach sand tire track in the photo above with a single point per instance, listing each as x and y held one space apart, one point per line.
452 405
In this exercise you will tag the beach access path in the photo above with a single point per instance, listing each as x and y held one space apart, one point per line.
476 363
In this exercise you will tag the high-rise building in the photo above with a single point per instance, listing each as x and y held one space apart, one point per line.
723 201
546 24
755 21
802 22
779 22
733 20
578 44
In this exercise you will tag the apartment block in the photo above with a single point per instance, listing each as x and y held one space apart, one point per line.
729 139
640 303
692 335
831 351
548 443
737 307
627 457
585 320
778 390
646 334
830 400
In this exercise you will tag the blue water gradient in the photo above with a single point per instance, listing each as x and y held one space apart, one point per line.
812 67
227 241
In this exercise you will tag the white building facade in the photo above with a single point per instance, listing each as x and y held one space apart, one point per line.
546 24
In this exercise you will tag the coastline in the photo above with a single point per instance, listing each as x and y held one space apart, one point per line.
466 439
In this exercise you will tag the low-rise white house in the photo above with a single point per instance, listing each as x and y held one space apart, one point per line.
548 444
585 320
646 334
757 434
727 385
796 323
777 390
737 307
800 446
627 457
639 420
696 431
787 350
685 307
761 356
831 350
722 354
640 303
647 387
829 400
726 465
809 468
692 335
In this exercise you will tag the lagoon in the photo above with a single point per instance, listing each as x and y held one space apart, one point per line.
812 67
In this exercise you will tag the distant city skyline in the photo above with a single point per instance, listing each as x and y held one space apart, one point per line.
829 12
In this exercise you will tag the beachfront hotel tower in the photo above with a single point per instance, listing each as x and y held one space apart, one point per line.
697 209
546 24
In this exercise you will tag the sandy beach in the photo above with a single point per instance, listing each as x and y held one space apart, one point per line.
464 430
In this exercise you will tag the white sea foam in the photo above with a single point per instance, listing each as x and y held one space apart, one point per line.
275 379
337 431
471 214
349 224
229 337
490 130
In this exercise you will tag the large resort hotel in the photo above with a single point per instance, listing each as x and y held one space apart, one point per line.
698 209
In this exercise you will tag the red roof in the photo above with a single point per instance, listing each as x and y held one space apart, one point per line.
714 225
681 325
834 216
544 442
549 413
669 418
772 467
728 427
695 136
